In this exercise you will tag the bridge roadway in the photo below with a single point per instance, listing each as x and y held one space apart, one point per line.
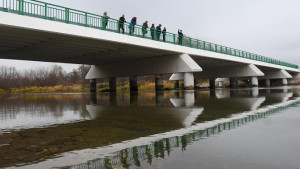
36 33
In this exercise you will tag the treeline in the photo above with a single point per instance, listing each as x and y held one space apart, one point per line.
10 77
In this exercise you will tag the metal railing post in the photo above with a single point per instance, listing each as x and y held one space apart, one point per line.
67 13
21 7
86 19
46 10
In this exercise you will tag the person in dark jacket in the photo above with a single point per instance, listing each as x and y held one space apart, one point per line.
144 28
104 20
152 30
158 31
131 26
121 23
180 37
164 32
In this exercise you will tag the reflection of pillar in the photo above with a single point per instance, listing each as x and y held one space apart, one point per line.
133 83
254 81
159 83
93 98
159 98
189 98
188 78
233 83
212 93
176 94
93 84
176 84
112 84
134 99
284 82
267 82
212 83
112 98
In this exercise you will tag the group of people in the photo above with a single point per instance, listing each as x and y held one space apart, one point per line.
155 32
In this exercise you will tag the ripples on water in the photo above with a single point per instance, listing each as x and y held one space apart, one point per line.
130 130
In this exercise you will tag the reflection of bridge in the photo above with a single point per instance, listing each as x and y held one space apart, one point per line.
65 35
164 146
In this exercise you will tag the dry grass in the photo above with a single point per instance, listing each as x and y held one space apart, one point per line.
52 89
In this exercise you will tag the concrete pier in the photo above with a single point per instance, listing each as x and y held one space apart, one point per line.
254 81
188 81
212 83
112 84
159 83
267 82
176 84
233 83
133 83
93 85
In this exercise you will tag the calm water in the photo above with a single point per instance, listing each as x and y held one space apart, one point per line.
234 129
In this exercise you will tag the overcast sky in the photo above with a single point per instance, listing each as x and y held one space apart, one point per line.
265 27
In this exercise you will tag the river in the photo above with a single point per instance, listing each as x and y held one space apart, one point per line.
255 128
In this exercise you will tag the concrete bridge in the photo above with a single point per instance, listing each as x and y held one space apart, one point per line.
39 31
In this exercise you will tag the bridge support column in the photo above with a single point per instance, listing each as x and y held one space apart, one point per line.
188 78
176 84
133 83
254 81
284 82
267 82
220 84
112 84
93 85
212 83
159 83
233 83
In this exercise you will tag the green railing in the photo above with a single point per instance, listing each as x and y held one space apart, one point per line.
71 16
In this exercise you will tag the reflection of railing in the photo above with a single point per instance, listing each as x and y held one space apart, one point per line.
62 14
160 148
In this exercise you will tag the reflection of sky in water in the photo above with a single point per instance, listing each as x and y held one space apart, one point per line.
25 120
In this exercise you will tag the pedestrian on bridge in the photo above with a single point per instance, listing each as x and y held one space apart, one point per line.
145 28
180 37
152 30
158 32
121 23
164 32
131 26
104 20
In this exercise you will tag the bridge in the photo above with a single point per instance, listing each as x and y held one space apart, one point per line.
38 31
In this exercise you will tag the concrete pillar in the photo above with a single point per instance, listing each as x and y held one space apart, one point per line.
221 84
195 83
133 83
159 83
268 82
254 81
176 84
112 84
93 85
212 83
284 82
188 80
233 83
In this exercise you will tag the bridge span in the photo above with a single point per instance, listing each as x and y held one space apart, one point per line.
39 31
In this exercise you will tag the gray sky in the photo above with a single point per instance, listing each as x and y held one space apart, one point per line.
265 27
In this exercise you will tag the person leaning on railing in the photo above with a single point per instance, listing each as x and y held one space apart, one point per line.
152 29
131 26
104 20
121 23
145 28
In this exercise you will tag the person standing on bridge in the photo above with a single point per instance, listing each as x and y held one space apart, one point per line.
144 28
104 20
121 23
131 26
164 32
158 32
152 30
180 36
